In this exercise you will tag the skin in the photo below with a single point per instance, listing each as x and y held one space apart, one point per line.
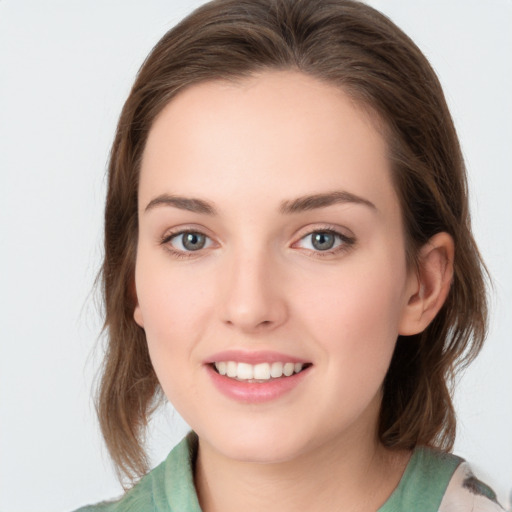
249 148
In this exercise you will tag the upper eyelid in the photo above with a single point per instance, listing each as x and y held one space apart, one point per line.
329 228
171 232
170 236
344 238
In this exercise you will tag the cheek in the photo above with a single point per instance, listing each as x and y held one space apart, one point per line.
174 309
355 312
173 305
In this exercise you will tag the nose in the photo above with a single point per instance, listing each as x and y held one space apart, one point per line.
254 296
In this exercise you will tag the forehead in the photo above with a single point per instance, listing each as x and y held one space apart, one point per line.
278 129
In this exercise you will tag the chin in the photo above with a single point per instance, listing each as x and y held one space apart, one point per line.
258 445
261 454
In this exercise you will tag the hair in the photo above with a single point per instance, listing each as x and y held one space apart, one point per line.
349 45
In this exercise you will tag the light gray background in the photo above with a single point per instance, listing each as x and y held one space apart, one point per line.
65 69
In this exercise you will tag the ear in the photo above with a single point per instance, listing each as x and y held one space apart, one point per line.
430 285
137 316
137 313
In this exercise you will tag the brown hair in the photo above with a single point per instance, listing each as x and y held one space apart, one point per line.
350 45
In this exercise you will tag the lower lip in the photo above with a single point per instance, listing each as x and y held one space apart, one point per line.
255 392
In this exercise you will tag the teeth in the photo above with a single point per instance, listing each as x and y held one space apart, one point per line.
245 371
288 369
261 371
276 370
232 369
221 367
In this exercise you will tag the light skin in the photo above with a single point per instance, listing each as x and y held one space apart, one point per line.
296 247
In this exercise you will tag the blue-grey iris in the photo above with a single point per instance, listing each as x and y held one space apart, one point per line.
322 241
193 241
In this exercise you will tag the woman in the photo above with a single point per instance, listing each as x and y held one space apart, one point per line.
288 257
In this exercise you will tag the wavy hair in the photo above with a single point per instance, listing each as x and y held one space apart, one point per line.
354 47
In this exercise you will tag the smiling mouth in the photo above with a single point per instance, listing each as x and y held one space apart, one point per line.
261 372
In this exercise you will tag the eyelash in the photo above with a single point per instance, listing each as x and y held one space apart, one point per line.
347 242
166 239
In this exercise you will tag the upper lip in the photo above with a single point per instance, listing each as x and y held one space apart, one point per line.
254 357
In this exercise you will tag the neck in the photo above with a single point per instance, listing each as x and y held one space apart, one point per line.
354 473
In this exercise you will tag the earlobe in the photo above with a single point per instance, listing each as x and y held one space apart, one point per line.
431 285
137 313
137 316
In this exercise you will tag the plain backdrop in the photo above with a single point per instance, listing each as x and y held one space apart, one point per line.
65 69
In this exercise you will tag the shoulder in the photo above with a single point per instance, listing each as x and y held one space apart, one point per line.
465 493
435 481
167 488
138 499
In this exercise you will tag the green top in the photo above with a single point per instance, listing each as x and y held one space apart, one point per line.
170 486
424 482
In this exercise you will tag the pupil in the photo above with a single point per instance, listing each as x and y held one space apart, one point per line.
193 241
323 241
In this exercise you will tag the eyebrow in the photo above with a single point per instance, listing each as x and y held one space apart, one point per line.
312 202
301 204
183 203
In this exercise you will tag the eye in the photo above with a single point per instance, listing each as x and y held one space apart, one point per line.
325 241
188 241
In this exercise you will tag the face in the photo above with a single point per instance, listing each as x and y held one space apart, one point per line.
271 277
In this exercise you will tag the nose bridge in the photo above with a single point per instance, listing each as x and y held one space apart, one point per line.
253 295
